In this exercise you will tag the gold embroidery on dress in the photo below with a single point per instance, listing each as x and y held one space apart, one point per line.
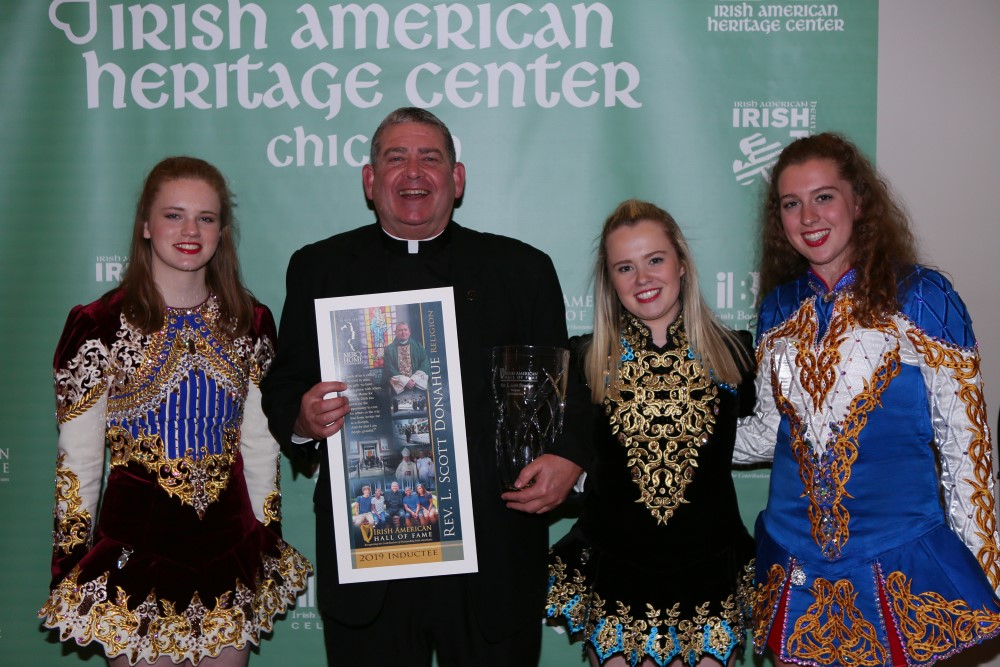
817 374
263 355
631 635
113 623
965 371
82 382
663 409
72 522
195 483
145 382
832 631
155 628
86 402
766 597
932 626
148 376
272 507
567 597
139 373
272 504
128 351
661 634
633 630
825 475
223 624
689 635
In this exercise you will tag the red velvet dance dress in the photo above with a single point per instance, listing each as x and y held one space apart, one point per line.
186 557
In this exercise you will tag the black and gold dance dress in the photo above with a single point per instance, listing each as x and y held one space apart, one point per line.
659 565
186 557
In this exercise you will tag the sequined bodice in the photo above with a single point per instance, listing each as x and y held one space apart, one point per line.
175 401
662 408
187 390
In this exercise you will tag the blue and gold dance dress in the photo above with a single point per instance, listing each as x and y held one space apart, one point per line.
186 557
878 544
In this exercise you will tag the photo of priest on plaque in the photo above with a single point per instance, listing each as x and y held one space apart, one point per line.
405 363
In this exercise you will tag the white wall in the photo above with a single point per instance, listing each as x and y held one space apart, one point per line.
939 145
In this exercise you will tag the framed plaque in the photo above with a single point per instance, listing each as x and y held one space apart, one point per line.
399 468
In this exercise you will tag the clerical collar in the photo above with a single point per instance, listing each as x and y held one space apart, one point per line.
415 247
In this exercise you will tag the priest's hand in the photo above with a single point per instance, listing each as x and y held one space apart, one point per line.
321 414
543 484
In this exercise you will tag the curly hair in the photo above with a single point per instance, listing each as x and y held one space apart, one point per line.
883 246
143 304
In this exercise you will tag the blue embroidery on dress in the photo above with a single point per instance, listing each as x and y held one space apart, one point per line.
722 385
617 647
706 642
629 353
661 659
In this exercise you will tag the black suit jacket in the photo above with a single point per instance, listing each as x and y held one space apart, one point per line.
506 292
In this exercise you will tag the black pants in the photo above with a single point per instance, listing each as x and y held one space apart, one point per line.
425 616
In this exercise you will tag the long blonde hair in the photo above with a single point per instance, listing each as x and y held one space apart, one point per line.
718 348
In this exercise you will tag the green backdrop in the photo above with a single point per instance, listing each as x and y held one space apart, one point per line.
560 109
